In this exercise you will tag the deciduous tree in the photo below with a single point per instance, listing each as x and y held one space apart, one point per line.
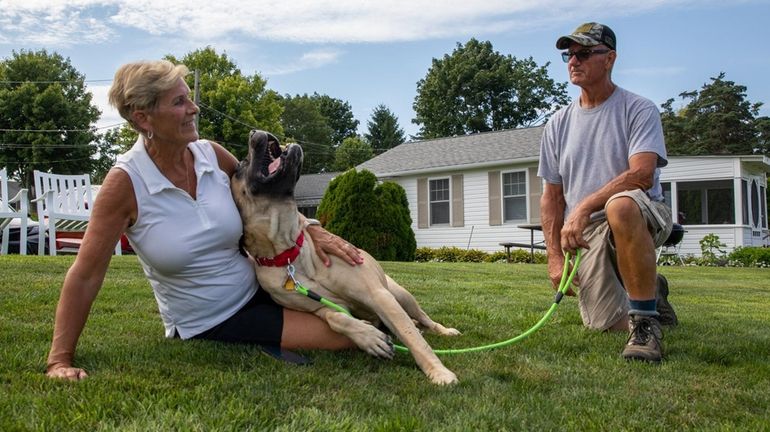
231 103
351 152
46 116
477 89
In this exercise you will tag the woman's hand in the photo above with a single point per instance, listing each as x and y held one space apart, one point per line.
66 372
328 243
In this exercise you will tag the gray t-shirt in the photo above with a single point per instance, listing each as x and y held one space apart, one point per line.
583 149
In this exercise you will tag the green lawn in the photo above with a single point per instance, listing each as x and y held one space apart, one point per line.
716 375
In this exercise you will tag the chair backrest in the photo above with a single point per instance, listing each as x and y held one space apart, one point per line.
65 194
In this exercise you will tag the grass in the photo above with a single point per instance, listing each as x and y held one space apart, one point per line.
564 377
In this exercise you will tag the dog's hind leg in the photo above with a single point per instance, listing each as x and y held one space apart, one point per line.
410 305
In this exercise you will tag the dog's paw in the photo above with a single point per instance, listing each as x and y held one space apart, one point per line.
442 376
444 331
376 343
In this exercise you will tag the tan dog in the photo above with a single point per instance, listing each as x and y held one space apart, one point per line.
263 188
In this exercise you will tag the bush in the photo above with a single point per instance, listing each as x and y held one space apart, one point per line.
371 216
750 257
455 254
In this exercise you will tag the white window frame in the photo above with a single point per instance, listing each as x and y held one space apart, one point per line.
448 180
525 195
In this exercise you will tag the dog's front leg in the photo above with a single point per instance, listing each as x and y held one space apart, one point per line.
364 335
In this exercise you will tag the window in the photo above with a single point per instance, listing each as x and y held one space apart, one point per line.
439 201
755 208
514 196
709 202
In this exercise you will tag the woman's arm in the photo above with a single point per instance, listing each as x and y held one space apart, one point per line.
112 213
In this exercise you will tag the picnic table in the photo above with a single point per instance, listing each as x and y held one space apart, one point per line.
531 245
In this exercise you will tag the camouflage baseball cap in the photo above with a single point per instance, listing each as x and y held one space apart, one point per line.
589 34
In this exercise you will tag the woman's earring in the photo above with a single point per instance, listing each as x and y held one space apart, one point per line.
150 134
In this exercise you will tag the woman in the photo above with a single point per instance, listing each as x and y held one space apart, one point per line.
170 194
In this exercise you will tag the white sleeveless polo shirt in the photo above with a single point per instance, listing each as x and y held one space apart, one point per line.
189 248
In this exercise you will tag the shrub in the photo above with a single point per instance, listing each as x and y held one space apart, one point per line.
750 257
371 216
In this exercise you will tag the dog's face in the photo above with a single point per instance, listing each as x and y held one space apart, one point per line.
268 170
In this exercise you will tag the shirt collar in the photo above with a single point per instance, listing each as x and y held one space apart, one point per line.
153 178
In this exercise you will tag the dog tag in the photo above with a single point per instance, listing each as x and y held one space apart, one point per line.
289 285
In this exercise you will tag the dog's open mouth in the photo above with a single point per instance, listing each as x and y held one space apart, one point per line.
267 157
268 163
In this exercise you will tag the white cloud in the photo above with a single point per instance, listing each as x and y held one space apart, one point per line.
310 60
110 116
65 22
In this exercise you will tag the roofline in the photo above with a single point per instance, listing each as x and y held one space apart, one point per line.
445 168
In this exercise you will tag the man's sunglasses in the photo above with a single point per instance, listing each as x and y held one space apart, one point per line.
583 54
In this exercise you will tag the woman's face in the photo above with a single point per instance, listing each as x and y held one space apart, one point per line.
173 119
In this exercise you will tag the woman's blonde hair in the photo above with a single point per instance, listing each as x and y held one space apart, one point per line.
138 85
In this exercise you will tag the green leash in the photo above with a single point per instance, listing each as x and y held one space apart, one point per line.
566 280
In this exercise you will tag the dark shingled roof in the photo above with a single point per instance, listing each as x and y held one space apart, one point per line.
487 148
311 188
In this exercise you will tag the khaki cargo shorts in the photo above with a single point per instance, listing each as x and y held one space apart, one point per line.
602 299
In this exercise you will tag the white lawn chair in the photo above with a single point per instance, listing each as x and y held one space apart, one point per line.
62 205
8 213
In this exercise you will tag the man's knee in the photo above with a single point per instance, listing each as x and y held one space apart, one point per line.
623 210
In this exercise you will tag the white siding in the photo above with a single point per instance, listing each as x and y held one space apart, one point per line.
477 233
688 169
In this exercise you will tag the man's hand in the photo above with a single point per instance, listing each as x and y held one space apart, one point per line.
555 272
328 243
572 232
66 372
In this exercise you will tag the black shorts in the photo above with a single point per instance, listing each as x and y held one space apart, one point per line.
260 321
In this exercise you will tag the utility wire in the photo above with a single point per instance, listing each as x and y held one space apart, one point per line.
62 130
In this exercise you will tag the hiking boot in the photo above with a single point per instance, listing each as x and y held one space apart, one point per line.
667 316
644 339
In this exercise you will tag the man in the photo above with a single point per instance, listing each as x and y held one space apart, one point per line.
600 158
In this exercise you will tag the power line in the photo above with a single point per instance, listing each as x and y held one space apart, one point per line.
62 130
54 81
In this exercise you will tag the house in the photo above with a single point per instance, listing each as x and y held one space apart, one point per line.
474 191
309 191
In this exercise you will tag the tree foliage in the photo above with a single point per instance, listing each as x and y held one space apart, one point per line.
715 120
303 122
477 89
351 152
371 216
46 116
231 103
339 117
384 132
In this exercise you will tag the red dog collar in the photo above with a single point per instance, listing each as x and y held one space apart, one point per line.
286 257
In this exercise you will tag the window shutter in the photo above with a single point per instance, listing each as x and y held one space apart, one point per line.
423 211
535 192
495 201
458 206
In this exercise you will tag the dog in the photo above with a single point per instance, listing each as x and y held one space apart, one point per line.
263 189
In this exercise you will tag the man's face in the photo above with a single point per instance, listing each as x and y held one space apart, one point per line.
592 70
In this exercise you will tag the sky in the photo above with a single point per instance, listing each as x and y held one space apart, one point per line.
369 53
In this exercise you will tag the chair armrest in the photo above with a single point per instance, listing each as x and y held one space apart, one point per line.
42 197
20 196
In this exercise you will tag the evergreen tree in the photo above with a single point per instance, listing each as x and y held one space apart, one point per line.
716 120
384 131
371 216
